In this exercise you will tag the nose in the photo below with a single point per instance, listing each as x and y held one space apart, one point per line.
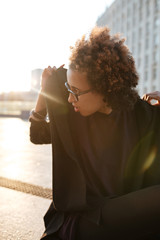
71 98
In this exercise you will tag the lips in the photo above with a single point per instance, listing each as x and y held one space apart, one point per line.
76 109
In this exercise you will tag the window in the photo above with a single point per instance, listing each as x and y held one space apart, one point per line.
156 5
154 74
133 49
146 61
134 15
123 3
147 43
153 88
140 3
128 25
113 14
140 14
134 21
117 23
155 40
123 18
123 21
134 8
145 90
139 62
140 32
155 57
139 47
128 12
147 28
147 8
156 22
133 37
146 76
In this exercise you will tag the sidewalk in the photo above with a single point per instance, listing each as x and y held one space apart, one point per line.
21 215
25 182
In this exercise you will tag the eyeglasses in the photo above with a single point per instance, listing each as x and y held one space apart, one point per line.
76 93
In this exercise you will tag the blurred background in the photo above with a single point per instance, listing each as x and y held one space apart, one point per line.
38 33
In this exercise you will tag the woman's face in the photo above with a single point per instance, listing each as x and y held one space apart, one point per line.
88 103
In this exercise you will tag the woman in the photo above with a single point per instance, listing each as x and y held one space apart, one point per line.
106 144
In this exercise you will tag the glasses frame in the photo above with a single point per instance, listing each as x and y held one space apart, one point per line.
76 95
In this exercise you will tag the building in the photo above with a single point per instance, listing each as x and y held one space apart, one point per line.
139 22
36 79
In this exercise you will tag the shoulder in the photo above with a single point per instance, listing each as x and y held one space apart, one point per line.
146 114
144 108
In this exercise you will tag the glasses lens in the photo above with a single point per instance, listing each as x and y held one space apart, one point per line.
70 91
67 86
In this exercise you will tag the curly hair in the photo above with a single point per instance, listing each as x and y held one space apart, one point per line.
109 66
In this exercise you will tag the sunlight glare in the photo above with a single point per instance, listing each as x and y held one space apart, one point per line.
13 135
12 171
38 33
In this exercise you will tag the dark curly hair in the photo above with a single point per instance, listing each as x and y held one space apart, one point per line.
109 66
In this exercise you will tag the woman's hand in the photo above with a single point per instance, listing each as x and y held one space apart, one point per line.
41 103
152 96
46 74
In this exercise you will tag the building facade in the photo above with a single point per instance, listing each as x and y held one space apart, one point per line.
139 22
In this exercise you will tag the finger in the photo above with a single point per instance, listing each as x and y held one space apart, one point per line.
49 70
155 95
148 97
62 66
158 102
145 97
54 68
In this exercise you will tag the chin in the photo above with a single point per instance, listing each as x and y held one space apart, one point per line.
86 114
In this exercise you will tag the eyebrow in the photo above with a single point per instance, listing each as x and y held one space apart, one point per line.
73 87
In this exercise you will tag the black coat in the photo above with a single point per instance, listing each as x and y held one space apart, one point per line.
69 186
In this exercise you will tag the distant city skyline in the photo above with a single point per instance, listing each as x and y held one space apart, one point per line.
38 33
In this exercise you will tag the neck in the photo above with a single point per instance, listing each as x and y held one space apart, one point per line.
107 110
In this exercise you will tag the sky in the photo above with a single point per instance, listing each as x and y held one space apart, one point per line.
38 33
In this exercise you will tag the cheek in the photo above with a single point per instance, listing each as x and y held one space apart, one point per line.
90 105
96 101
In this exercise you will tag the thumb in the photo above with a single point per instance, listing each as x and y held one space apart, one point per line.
62 66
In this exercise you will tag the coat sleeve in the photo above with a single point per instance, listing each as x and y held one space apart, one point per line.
69 186
40 132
